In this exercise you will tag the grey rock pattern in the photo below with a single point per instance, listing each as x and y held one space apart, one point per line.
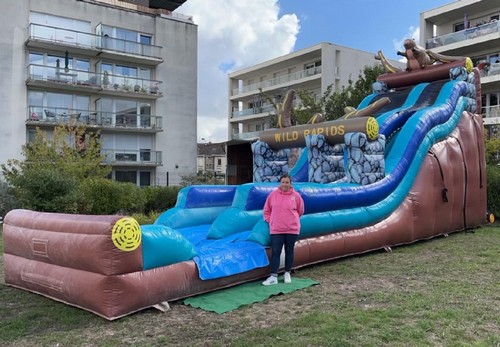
326 162
365 159
268 164
460 74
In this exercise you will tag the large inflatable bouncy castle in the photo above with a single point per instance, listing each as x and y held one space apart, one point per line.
407 164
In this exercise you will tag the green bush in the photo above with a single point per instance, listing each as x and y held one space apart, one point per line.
103 196
46 190
160 199
143 219
7 199
493 182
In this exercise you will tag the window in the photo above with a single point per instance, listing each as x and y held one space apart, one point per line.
36 58
56 104
126 176
31 135
59 22
145 112
461 26
126 77
311 68
52 67
126 112
145 154
493 99
219 161
145 39
144 178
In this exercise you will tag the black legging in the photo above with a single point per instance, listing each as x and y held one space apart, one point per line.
277 242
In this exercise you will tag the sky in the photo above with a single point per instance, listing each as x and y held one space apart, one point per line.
235 34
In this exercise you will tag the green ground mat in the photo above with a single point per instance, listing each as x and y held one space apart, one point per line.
229 299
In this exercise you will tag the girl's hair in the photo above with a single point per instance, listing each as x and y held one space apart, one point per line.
285 175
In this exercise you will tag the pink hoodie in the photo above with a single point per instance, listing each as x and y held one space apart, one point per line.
282 211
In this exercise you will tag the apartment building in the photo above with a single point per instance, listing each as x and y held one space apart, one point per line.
311 69
127 69
470 28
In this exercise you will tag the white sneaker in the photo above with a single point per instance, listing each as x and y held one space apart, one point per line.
288 278
270 281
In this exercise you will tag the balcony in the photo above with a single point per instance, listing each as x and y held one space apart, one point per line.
481 35
132 157
103 83
491 114
281 80
41 116
251 135
254 111
265 110
47 37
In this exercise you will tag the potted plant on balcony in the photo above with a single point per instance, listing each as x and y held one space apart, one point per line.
105 80
154 88
126 85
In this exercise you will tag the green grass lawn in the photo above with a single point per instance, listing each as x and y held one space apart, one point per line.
442 292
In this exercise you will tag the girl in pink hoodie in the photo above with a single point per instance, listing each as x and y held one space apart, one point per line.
282 211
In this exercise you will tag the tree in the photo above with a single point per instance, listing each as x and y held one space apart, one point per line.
492 150
332 105
49 177
7 199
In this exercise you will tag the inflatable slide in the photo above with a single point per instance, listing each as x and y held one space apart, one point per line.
411 169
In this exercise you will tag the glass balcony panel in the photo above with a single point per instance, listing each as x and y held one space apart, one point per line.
71 116
278 80
246 136
42 73
255 110
132 157
92 41
491 111
470 33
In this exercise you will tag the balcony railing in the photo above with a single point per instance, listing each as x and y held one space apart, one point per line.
490 111
56 115
470 33
91 41
487 69
255 110
132 157
246 136
118 83
278 80
296 103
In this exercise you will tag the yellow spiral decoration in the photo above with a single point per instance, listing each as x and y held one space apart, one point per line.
469 65
372 128
126 234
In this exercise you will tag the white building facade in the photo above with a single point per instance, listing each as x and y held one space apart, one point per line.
311 69
469 28
128 70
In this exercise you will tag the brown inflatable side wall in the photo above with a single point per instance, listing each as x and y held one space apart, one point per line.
72 259
428 74
80 242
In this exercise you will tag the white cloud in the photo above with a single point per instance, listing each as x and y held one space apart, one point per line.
412 33
233 35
